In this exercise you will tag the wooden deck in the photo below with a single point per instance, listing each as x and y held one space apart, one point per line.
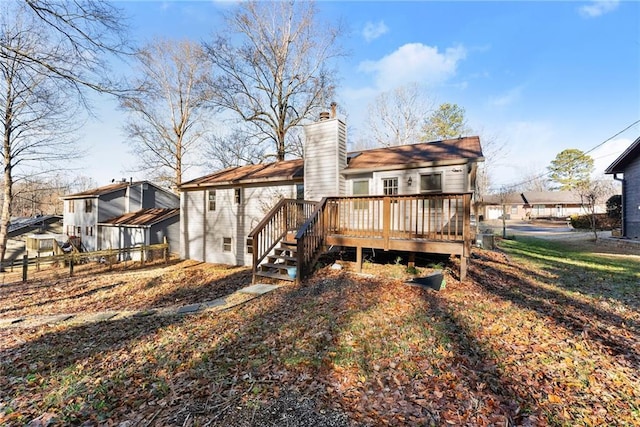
424 223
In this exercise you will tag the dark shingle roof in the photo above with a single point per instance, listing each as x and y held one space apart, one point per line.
402 156
279 171
413 155
95 192
144 217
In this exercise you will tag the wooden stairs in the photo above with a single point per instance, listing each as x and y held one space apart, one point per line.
282 264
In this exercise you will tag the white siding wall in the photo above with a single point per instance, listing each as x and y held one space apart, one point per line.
203 231
325 156
82 219
454 179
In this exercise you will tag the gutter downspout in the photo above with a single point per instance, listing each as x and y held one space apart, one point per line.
622 216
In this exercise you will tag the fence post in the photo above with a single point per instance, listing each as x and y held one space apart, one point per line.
71 266
166 250
25 266
141 254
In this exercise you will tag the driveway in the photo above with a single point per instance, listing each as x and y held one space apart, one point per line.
542 230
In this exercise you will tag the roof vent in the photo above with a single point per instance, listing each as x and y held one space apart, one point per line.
324 115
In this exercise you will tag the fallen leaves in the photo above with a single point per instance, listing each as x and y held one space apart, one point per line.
509 346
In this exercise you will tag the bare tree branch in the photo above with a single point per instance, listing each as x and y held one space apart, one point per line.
278 74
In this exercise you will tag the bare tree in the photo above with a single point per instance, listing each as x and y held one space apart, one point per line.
592 193
396 117
87 30
272 67
167 115
234 148
38 112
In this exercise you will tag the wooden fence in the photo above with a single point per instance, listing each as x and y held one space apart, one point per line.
139 254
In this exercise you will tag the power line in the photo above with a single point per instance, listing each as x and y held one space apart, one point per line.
544 174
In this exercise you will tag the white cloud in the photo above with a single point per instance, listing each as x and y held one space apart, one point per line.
414 62
506 99
604 155
373 30
598 8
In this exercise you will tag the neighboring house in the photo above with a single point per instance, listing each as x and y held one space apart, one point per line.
84 212
553 204
534 204
494 206
37 224
219 211
628 165
144 227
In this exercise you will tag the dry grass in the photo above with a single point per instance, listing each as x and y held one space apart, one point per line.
538 335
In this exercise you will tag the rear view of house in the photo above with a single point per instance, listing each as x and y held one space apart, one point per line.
222 211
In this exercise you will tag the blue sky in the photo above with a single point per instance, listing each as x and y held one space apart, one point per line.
537 76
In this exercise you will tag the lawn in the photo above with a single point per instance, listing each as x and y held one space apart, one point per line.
539 334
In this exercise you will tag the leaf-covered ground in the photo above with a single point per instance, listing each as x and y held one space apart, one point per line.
539 334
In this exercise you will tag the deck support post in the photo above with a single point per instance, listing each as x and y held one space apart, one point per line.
463 267
412 260
359 258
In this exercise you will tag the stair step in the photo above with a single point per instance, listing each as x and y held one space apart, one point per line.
285 258
290 244
274 275
276 266
280 251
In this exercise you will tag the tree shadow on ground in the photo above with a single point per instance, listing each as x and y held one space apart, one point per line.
617 333
599 276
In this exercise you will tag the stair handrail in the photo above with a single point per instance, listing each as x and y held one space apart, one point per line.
310 238
274 227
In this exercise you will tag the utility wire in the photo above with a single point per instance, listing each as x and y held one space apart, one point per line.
544 174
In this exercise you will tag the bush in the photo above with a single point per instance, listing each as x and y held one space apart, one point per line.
583 222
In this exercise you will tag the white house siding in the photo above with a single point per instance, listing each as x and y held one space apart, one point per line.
206 229
454 179
76 223
631 199
324 160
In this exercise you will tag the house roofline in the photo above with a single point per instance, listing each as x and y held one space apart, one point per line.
618 164
235 183
456 162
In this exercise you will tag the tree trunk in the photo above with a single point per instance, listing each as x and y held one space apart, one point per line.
5 215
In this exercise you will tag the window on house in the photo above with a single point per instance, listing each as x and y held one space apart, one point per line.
226 244
361 188
249 245
212 200
78 231
390 186
431 182
71 206
88 205
70 230
300 191
238 195
514 209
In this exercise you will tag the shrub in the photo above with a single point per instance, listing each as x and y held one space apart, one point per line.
583 222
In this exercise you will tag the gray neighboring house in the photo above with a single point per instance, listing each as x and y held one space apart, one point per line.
87 211
628 165
144 227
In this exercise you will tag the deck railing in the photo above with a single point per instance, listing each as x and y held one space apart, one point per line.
424 216
286 216
443 217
